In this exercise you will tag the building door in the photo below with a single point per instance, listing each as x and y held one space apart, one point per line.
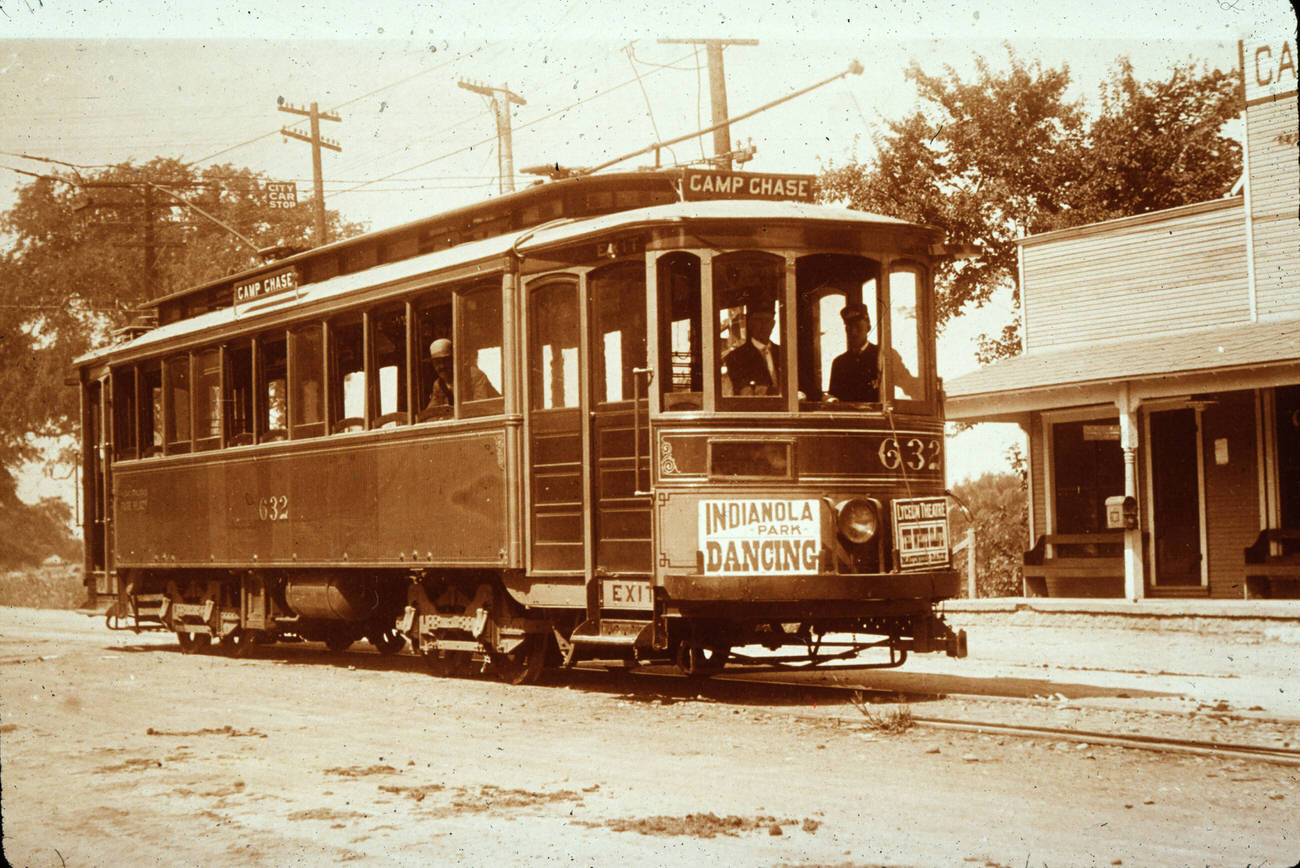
1174 447
557 441
1288 455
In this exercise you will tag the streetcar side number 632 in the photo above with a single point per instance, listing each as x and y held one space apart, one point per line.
273 508
915 453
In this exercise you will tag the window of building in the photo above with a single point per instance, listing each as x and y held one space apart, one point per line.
618 293
1087 467
238 415
207 399
307 374
176 407
272 391
749 340
347 376
479 364
681 370
388 346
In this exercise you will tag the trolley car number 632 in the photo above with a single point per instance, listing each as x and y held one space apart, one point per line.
273 508
916 453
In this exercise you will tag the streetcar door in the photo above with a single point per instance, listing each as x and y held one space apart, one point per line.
620 432
556 443
95 526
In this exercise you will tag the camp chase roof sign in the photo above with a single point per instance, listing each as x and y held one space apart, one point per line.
274 283
713 184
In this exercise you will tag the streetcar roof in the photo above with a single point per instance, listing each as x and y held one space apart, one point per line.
522 241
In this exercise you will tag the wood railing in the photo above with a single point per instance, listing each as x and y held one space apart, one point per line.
1264 569
1088 560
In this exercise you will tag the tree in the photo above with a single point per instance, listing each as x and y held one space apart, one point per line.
1009 155
998 514
76 267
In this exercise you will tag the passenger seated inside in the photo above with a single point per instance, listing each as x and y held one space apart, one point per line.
442 398
755 367
855 373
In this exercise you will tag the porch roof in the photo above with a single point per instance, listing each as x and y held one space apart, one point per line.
1227 349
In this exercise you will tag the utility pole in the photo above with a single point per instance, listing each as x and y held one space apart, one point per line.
717 92
316 143
501 107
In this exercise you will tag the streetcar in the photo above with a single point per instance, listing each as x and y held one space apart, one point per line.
531 432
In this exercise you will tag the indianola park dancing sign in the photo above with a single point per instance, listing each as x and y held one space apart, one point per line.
770 537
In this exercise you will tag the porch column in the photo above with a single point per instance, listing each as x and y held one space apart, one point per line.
1134 585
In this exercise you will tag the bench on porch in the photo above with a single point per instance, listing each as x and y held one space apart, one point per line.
1076 565
1273 575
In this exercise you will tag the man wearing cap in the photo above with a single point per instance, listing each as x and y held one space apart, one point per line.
855 373
443 394
755 367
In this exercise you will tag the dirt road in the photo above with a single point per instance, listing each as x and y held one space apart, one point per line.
119 750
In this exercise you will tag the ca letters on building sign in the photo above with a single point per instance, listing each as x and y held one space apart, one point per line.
759 537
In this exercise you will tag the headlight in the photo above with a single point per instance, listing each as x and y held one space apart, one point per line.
856 520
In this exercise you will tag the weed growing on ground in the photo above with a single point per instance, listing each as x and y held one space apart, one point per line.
890 721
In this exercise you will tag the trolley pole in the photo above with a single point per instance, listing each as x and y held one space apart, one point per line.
316 143
717 92
505 147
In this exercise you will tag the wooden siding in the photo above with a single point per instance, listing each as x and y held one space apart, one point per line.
1275 205
1138 276
1231 490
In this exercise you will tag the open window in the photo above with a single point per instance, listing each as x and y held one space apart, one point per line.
124 412
838 313
618 293
149 400
435 396
237 414
479 369
681 367
347 375
749 339
207 399
272 388
176 407
307 381
906 364
388 352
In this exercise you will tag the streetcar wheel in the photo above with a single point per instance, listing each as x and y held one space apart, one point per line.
387 642
338 640
701 661
449 664
193 643
239 643
523 665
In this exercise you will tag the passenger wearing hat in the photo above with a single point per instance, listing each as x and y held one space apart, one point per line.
855 373
442 396
755 367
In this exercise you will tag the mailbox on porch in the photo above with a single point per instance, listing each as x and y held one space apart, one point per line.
1121 512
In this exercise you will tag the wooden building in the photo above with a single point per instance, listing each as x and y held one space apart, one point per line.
1162 363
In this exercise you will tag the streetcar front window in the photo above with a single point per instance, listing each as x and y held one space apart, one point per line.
906 332
749 341
838 315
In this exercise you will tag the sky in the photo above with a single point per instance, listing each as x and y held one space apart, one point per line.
95 82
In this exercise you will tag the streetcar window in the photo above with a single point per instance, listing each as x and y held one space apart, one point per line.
207 399
838 304
124 420
176 408
388 347
437 400
272 394
238 416
347 376
307 376
479 372
553 362
680 358
748 289
618 292
149 400
903 362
